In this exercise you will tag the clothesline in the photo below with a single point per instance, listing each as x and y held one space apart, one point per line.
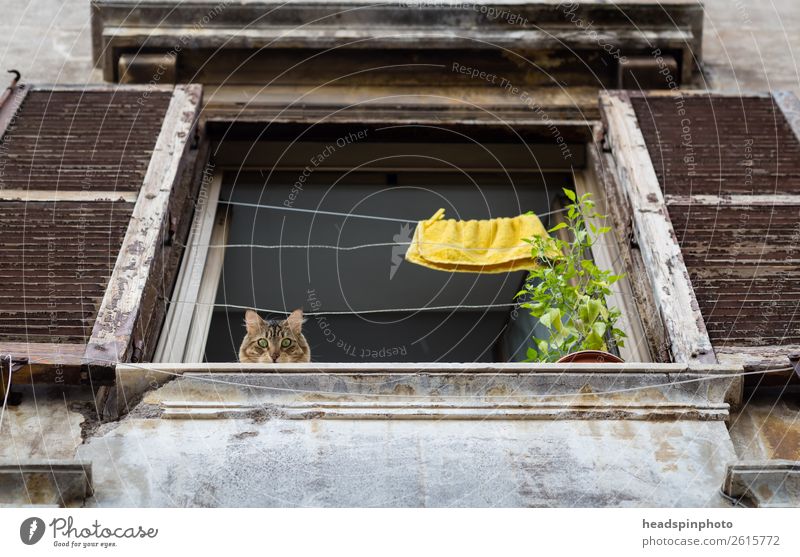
352 312
339 214
355 312
346 248
351 248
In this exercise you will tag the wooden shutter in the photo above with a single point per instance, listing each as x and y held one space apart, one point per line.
95 193
713 184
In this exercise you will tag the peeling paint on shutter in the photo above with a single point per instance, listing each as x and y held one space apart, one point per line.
148 258
70 140
54 266
720 146
744 262
74 167
729 171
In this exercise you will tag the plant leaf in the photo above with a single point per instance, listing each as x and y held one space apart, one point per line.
543 346
589 311
595 339
546 319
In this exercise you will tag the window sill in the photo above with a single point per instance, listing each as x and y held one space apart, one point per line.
425 391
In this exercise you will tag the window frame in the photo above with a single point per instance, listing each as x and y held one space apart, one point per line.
197 284
183 335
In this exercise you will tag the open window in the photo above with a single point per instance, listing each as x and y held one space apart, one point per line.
320 218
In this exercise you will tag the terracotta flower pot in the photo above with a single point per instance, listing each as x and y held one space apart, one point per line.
590 357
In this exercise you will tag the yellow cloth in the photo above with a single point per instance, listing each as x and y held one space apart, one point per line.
475 246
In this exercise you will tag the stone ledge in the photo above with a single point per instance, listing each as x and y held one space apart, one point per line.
423 391
767 483
45 482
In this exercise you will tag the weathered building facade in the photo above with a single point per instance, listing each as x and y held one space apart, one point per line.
139 217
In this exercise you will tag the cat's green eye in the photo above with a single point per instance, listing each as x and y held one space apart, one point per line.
262 342
286 343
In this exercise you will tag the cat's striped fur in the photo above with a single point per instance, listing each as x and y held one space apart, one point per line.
274 341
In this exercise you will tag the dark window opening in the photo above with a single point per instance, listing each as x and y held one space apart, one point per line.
317 191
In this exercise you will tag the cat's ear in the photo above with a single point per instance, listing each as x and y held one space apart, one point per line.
295 321
253 322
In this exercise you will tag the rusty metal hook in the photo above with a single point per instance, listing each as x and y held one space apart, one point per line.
10 89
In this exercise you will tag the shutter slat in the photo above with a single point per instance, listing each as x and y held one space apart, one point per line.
732 209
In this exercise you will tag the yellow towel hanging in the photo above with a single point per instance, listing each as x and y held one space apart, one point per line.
475 246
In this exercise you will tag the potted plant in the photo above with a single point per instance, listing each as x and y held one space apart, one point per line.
567 292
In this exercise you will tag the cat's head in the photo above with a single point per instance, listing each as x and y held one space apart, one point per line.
274 341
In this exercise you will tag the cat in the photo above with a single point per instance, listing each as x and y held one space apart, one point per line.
274 341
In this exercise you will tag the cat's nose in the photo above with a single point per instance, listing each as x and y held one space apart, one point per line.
275 356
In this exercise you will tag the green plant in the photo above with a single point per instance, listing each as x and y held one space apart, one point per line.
567 293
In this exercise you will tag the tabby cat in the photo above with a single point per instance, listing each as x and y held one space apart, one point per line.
274 341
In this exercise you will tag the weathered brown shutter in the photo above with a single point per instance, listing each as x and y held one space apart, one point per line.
721 176
96 183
